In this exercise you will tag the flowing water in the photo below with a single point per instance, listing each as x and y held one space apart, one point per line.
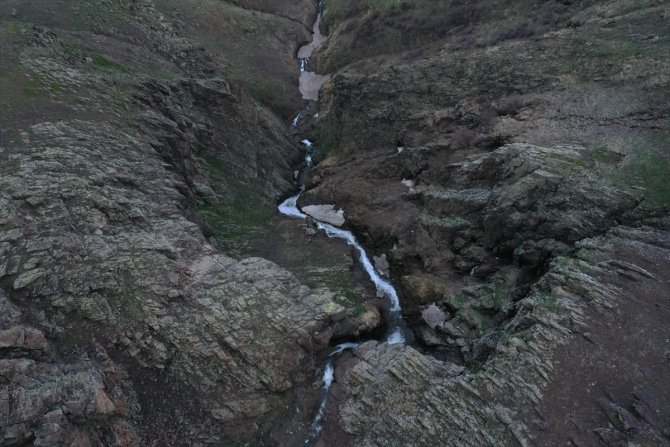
310 83
384 287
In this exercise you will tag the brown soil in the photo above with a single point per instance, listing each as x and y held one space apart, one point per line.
624 350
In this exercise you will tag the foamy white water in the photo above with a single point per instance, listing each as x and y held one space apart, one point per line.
289 207
382 285
328 377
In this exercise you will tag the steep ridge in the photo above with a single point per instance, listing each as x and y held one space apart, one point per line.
124 147
502 169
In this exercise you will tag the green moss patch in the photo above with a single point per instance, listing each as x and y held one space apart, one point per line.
651 171
240 216
102 62
336 280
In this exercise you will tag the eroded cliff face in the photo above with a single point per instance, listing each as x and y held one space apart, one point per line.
124 146
511 161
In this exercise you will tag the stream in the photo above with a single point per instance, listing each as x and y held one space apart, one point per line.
310 84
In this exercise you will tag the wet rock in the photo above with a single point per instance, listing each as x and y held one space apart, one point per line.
355 323
325 213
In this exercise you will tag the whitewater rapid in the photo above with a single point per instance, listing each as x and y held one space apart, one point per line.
289 207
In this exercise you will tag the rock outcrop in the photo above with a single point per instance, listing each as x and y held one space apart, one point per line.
507 165
556 343
105 253
468 174
325 213
512 171
121 321
48 401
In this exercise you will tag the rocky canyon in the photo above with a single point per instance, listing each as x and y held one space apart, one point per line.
334 223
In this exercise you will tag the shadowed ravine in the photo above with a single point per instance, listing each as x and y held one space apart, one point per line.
310 83
403 223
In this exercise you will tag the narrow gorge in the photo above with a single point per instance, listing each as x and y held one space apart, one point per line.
334 223
310 84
